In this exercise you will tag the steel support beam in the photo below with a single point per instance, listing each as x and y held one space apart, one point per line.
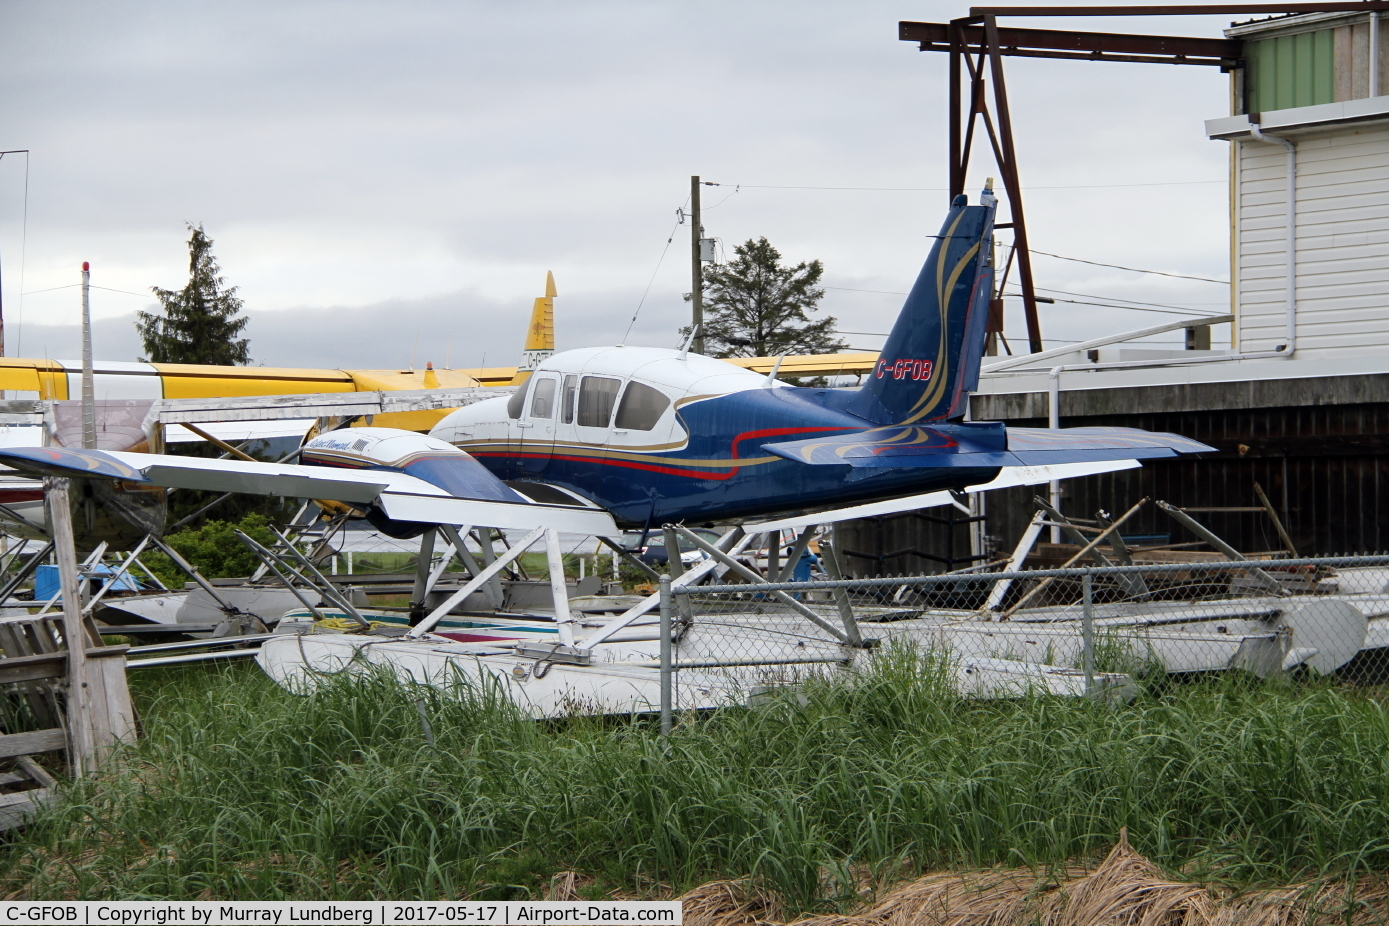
1013 185
956 48
1095 46
980 34
1236 9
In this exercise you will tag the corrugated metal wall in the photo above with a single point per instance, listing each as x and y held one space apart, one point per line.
911 543
1325 468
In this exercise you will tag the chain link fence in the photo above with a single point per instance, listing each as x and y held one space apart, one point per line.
1073 631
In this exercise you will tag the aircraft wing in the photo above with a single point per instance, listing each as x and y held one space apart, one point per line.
982 444
402 497
1011 476
239 418
845 364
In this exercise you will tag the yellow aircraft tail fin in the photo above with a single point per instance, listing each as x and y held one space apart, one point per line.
540 336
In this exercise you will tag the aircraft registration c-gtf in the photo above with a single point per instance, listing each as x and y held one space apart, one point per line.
629 437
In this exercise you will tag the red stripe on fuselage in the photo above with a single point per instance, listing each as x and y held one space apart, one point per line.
667 470
337 464
625 464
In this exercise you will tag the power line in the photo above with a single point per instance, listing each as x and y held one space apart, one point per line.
1137 343
941 189
1079 260
736 191
883 292
1136 308
669 238
1135 301
1161 273
108 289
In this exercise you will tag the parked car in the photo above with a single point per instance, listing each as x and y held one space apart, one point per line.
653 552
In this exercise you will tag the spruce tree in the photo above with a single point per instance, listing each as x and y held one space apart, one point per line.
200 323
756 306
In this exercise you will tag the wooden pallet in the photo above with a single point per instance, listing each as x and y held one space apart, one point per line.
33 683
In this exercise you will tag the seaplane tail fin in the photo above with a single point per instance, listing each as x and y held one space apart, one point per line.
930 362
540 335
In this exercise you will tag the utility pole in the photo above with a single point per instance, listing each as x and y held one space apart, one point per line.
2 315
88 388
696 269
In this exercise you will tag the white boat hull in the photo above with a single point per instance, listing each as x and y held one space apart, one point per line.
621 679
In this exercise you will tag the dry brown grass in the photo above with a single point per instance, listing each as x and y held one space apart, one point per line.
564 886
1124 890
731 903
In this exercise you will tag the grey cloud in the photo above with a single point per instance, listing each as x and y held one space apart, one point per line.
373 169
460 329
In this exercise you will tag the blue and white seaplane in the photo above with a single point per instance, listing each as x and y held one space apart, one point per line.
604 439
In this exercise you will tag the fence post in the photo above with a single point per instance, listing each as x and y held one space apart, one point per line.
665 655
830 556
74 630
1087 630
674 564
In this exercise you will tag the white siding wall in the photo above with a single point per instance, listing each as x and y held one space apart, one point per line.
1342 242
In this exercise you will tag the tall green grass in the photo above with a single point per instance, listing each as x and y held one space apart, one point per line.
238 790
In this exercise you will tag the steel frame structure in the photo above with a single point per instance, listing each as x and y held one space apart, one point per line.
976 41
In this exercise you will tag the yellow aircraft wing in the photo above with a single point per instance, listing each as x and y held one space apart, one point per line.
53 380
812 364
846 364
50 379
492 376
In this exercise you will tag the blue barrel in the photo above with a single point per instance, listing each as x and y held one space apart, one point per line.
45 582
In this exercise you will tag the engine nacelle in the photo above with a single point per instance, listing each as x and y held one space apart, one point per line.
426 458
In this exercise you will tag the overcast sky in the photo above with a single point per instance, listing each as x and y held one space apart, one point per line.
388 180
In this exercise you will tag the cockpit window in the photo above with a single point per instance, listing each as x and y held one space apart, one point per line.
597 394
641 407
517 402
569 396
543 403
